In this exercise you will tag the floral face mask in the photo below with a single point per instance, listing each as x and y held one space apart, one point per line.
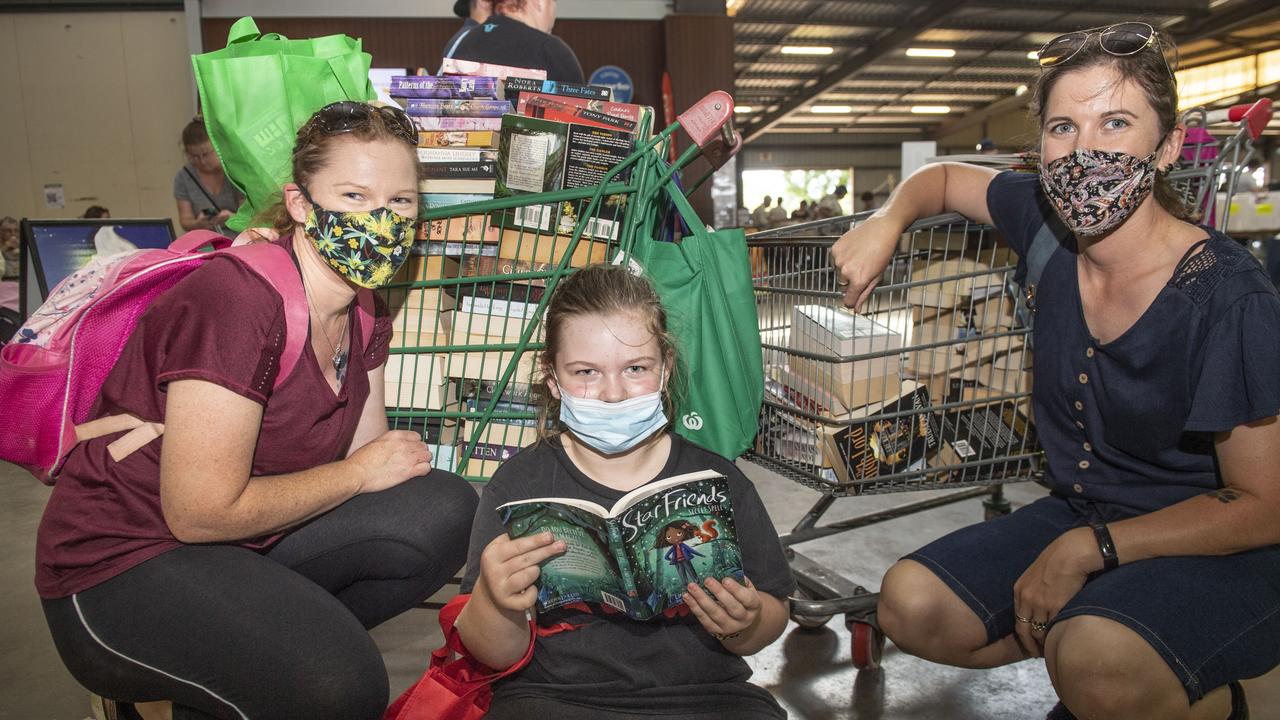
1094 191
366 248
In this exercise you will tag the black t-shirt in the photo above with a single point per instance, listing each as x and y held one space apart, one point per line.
665 666
503 40
1130 423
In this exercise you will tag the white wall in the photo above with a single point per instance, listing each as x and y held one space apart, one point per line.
96 101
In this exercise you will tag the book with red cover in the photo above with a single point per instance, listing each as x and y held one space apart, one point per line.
626 111
549 107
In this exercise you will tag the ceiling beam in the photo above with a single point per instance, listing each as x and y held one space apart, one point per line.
975 117
1250 12
920 19
993 23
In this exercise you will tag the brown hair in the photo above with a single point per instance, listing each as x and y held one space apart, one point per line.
1147 69
600 290
194 133
311 155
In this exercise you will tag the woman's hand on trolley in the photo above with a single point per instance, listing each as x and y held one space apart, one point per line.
861 255
1049 584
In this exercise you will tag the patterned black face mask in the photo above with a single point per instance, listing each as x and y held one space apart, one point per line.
1094 191
366 248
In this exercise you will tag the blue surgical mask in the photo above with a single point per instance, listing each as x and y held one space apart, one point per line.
615 427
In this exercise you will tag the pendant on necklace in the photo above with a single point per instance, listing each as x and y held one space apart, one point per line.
339 361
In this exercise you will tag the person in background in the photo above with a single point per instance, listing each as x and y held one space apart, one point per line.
205 197
473 13
9 248
987 146
868 199
760 216
801 213
778 215
829 205
518 34
96 212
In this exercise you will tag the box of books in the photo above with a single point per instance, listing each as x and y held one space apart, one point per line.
420 328
415 382
954 280
837 332
893 436
852 384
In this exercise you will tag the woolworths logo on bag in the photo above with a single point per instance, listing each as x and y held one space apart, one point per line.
692 421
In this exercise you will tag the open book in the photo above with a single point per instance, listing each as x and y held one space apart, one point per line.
640 555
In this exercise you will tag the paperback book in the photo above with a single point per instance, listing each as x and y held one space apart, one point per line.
452 155
639 556
432 124
477 108
482 139
481 170
443 86
515 87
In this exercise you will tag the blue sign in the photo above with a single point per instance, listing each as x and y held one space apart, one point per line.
616 78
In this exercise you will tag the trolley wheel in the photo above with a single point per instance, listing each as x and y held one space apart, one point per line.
991 513
808 622
867 643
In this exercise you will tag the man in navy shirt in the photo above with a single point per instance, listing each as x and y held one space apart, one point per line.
518 34
473 13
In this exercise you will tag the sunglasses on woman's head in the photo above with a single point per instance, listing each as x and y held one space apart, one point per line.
349 115
1121 39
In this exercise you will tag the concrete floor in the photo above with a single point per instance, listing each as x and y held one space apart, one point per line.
808 671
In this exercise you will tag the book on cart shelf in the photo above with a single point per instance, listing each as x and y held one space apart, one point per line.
478 170
537 104
952 282
428 156
490 365
487 265
483 390
473 228
515 87
479 139
829 330
983 431
638 556
446 124
472 404
498 290
415 382
436 201
458 87
421 328
892 436
458 185
408 298
477 108
424 266
549 107
454 66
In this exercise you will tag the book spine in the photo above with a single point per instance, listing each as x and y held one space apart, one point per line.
464 249
465 186
497 306
516 393
513 86
488 451
431 200
430 124
619 550
502 291
477 108
434 156
485 170
457 139
444 86
626 111
549 109
479 266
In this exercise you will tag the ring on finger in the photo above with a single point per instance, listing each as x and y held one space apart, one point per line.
1021 619
1039 626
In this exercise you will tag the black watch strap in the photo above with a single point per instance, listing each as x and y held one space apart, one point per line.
1106 546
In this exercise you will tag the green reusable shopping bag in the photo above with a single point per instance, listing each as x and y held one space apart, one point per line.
257 91
704 282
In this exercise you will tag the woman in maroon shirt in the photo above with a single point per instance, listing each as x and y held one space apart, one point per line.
232 567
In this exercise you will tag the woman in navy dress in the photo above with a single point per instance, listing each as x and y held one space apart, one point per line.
1149 579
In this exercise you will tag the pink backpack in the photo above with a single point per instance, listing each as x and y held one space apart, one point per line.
52 371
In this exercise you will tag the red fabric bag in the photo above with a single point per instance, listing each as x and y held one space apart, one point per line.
456 686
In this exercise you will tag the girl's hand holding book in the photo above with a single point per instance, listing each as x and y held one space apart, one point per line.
728 610
508 569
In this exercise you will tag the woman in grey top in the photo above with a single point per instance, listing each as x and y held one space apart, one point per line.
205 197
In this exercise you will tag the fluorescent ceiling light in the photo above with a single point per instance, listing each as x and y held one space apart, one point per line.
806 50
832 109
931 52
930 109
1033 55
743 109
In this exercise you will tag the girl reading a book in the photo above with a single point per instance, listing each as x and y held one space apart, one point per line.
607 374
231 567
1147 579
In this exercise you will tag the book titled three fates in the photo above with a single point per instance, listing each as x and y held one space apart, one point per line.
639 556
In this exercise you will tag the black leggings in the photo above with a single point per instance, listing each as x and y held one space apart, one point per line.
225 632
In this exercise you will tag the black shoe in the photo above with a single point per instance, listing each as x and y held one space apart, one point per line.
1239 706
1059 712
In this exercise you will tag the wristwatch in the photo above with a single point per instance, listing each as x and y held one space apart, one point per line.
1106 546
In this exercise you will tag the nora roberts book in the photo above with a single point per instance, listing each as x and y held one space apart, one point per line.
640 555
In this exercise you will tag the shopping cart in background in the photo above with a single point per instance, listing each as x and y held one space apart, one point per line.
1206 175
467 308
927 389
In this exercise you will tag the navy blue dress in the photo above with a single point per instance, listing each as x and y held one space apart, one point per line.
1127 428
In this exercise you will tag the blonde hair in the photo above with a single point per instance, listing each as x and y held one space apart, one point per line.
600 290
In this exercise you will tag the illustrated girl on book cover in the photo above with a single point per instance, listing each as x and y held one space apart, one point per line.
673 536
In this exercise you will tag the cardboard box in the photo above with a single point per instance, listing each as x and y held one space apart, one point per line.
420 328
489 365
947 289
852 384
428 299
484 329
964 348
544 247
426 267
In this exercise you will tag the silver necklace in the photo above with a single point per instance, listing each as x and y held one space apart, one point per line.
337 357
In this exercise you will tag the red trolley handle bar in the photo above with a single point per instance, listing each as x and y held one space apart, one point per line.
1255 115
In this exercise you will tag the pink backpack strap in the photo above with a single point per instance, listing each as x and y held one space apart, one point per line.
196 239
276 266
364 310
